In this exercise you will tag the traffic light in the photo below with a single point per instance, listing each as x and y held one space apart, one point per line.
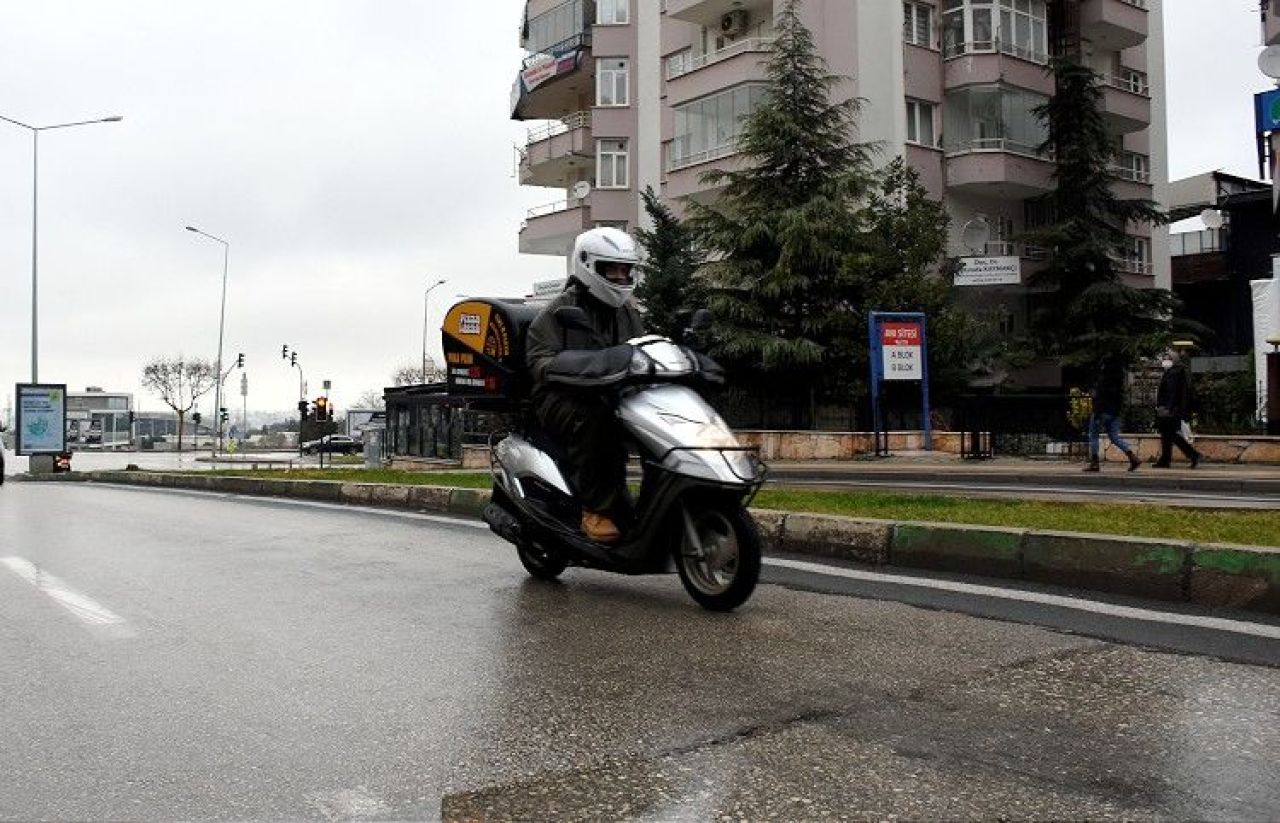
302 408
322 409
284 352
196 417
293 358
223 412
240 360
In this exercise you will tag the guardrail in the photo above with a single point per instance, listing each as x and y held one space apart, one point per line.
554 208
950 50
676 163
577 120
993 144
751 44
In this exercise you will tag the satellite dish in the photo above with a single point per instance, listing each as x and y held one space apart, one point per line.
1269 62
975 234
581 189
1212 218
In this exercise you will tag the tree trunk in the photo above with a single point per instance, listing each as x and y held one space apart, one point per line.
181 419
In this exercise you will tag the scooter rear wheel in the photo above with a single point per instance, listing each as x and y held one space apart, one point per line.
719 555
538 562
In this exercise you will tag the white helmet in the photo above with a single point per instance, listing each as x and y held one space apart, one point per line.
592 250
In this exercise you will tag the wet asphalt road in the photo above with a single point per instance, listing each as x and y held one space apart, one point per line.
183 656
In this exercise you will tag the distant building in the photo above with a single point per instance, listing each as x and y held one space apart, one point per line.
1212 267
99 419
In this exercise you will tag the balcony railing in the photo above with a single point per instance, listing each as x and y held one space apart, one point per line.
1006 248
1131 265
577 120
681 67
993 144
1137 4
677 162
1130 80
950 50
555 208
581 40
1136 168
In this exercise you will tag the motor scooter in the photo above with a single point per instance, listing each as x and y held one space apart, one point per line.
696 479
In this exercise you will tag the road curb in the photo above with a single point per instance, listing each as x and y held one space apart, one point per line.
1215 575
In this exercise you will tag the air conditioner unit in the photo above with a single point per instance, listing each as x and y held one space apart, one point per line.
734 23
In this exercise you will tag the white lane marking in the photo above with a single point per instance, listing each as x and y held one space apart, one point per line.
349 804
1093 606
79 605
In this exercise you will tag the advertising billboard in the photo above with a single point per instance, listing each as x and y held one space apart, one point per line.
42 418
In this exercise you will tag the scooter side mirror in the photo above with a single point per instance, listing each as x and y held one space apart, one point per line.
573 317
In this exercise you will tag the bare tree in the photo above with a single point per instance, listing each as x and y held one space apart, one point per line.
412 374
370 399
180 383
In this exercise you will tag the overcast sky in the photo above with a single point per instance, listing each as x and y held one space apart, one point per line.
352 153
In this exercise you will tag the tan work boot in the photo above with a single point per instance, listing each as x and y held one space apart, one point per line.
599 527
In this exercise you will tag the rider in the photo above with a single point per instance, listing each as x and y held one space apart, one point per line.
602 276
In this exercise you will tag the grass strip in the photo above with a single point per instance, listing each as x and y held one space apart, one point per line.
1246 527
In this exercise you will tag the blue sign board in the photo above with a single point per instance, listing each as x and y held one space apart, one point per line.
899 351
1266 106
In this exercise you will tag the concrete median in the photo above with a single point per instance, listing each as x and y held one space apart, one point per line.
1240 577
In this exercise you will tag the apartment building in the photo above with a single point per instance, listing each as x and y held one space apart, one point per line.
621 94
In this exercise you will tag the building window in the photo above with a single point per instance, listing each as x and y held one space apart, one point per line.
680 63
709 128
612 12
993 118
920 123
611 164
1016 27
1135 256
917 24
611 81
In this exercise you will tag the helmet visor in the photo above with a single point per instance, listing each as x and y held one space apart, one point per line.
616 272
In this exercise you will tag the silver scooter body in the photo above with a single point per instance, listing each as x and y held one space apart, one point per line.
670 423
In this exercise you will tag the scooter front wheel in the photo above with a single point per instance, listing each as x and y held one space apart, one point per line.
538 562
719 555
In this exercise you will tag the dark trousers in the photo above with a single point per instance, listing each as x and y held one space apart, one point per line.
587 428
1171 435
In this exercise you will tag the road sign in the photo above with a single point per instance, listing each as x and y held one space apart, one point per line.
900 345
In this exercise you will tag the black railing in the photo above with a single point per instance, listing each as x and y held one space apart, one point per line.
1021 424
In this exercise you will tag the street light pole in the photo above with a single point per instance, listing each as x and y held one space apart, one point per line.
35 226
222 316
426 303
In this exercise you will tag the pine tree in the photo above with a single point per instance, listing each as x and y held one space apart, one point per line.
669 291
1089 311
783 230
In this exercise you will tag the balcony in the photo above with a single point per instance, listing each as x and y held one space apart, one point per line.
709 12
686 65
1114 25
1208 241
550 229
1131 177
555 81
1126 101
998 168
969 64
741 62
554 154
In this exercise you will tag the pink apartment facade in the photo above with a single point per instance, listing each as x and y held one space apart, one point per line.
623 94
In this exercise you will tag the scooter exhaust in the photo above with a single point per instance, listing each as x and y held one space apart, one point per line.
502 523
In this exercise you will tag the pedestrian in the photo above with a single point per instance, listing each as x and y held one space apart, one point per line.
1108 401
1173 401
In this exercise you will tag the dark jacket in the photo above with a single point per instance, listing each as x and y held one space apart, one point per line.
546 337
1173 398
1108 390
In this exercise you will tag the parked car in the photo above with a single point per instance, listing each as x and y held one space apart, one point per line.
333 444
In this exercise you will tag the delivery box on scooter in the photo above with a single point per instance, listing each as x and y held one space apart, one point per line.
483 341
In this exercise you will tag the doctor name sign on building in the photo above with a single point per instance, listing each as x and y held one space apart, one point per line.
900 345
989 271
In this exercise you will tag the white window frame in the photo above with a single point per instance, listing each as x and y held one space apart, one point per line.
917 111
612 160
611 80
613 12
1001 15
913 13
